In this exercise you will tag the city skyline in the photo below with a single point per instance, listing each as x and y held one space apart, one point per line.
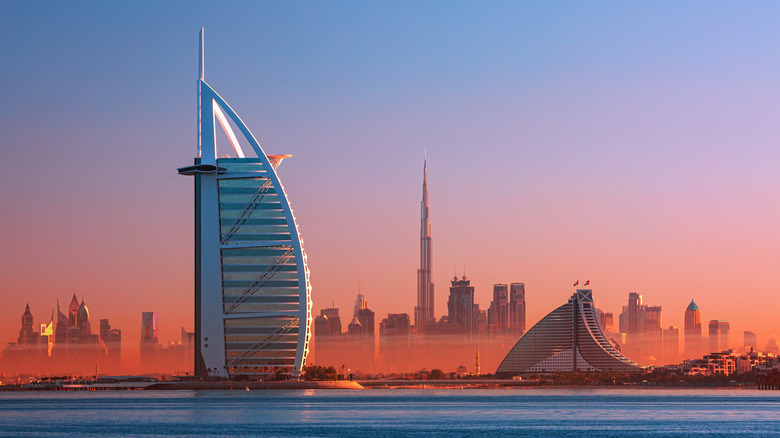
645 166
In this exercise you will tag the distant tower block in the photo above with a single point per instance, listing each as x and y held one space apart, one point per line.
568 339
252 291
517 308
149 340
476 365
692 331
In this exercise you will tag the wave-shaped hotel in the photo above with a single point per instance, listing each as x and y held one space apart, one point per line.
252 291
568 339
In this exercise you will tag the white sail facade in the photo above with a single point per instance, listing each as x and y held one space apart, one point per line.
568 339
252 291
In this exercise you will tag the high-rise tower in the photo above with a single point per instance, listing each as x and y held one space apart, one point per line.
498 313
517 308
26 333
252 291
719 335
635 316
423 312
692 331
461 312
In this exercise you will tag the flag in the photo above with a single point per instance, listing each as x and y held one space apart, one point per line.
576 283
587 282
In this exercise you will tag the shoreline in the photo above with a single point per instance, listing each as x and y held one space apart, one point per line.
343 384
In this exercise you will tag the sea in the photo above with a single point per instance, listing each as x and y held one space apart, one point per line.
496 412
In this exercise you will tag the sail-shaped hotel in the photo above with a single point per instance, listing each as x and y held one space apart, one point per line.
252 291
568 339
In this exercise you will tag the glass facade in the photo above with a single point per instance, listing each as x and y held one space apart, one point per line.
252 291
261 292
568 339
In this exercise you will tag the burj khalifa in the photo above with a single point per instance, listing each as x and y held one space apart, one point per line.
423 312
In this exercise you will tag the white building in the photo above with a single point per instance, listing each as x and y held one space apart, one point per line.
252 291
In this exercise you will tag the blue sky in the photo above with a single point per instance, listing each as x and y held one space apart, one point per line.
632 143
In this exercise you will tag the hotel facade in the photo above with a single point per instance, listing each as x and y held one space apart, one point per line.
568 339
252 290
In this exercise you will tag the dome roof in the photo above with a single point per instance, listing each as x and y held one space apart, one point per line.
692 307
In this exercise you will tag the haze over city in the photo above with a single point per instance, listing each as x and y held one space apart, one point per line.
626 145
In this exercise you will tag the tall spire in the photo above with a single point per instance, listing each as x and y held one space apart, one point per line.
423 312
202 57
201 75
425 228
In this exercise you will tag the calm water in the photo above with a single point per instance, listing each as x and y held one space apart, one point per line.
399 412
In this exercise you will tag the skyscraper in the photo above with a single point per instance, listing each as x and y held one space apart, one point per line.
149 330
73 310
653 331
364 315
635 317
517 308
252 291
327 336
719 335
31 347
671 349
26 335
328 323
423 312
606 322
112 339
396 324
149 340
462 314
498 312
394 339
355 328
692 330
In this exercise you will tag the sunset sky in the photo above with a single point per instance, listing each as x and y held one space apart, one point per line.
633 145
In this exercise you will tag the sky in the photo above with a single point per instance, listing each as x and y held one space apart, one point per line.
630 144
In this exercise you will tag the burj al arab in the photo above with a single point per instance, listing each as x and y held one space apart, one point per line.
252 291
